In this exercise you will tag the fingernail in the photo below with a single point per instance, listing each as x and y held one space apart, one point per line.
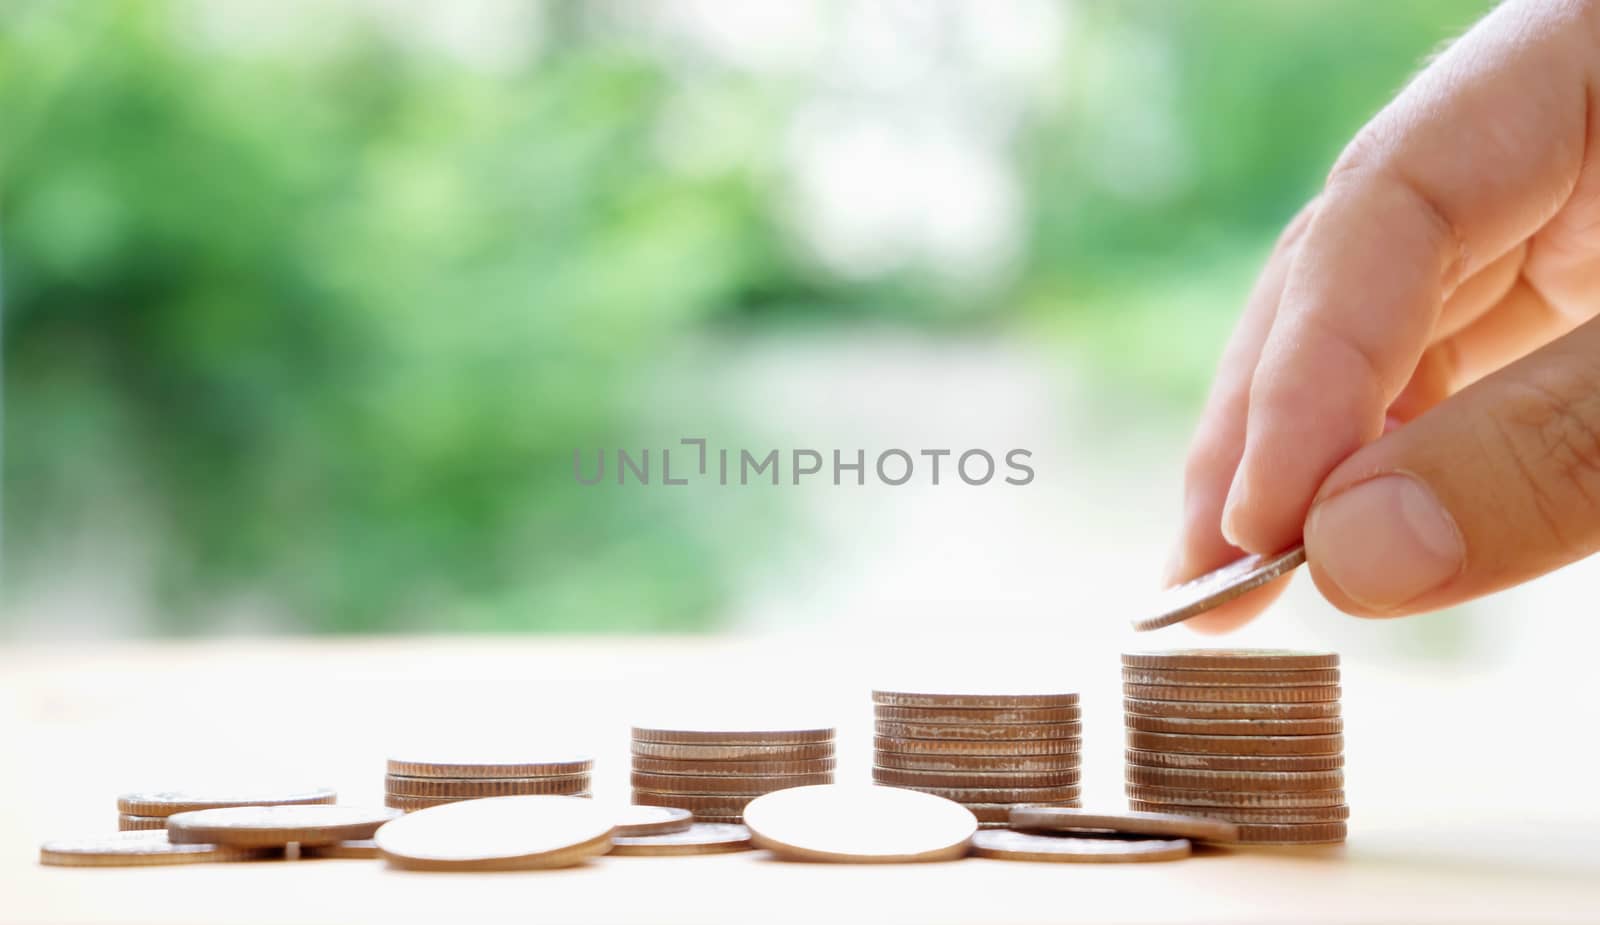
1385 541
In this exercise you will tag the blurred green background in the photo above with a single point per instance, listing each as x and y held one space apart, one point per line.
309 304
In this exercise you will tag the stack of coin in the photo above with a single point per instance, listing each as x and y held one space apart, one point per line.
714 773
1253 736
150 809
986 751
413 783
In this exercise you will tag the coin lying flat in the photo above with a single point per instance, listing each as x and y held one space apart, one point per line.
276 826
1244 814
357 848
1236 745
860 824
638 821
1009 747
1024 846
899 778
1017 764
1231 659
167 802
719 818
733 768
733 752
1255 781
683 783
1001 812
700 838
996 732
1328 833
1158 824
1181 677
1200 709
702 736
1213 589
490 766
1003 795
1009 701
139 849
128 823
1328 725
1324 692
499 833
975 716
412 804
722 804
1198 762
1278 799
481 787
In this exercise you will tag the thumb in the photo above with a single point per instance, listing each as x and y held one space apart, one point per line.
1495 486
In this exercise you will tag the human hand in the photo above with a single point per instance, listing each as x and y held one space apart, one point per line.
1414 386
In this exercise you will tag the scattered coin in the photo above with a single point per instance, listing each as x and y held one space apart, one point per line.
129 823
1158 824
967 747
499 833
1002 795
1320 693
724 804
1024 846
719 819
704 768
1021 764
977 700
1231 660
895 777
1256 781
1199 709
356 848
683 783
733 736
482 786
1001 812
275 826
1327 833
733 752
1236 727
859 823
1243 814
140 849
1179 677
168 802
1278 799
1236 745
966 716
412 804
1189 761
637 821
998 732
700 838
1214 589
465 766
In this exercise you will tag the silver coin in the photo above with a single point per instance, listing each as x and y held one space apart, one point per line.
1213 589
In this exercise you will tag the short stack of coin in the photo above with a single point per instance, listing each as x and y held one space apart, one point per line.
987 751
413 784
1253 736
714 773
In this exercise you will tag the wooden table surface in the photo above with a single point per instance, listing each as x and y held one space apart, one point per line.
1470 802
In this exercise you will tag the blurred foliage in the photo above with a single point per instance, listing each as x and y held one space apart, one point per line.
330 323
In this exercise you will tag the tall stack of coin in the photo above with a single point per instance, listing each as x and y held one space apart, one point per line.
987 751
714 773
414 783
1253 736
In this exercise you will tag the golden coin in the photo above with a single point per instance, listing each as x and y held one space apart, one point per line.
1199 709
1326 833
682 783
635 821
859 824
1019 764
1319 693
977 716
725 804
412 804
167 802
130 823
1278 799
700 838
964 747
1177 677
1001 812
1024 846
1164 759
704 768
1159 824
895 777
356 848
1213 589
733 752
733 736
1236 780
499 833
1002 795
276 826
482 786
719 819
1236 745
140 849
1329 725
996 733
465 766
1243 814
994 701
1231 659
